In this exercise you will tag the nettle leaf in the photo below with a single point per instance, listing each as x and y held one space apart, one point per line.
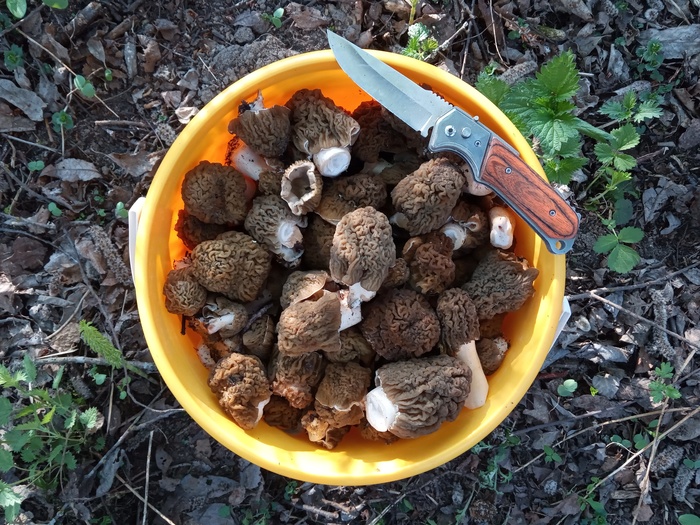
7 462
624 211
9 501
29 368
492 88
70 420
553 132
5 411
624 137
69 460
89 417
16 439
560 170
630 235
623 259
606 243
559 76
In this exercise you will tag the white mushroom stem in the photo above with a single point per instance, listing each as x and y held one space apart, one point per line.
479 386
400 220
379 410
288 234
457 233
501 227
205 356
358 294
350 314
248 162
261 407
331 162
214 324
476 188
375 168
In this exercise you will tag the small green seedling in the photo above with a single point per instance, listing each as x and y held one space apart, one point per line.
640 441
62 121
54 209
619 440
13 57
550 456
84 86
567 388
108 75
120 211
650 58
689 519
275 18
692 464
420 44
35 165
659 389
18 8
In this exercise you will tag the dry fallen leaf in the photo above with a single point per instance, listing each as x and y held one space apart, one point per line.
137 164
72 170
27 101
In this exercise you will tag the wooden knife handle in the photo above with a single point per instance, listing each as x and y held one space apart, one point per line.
529 196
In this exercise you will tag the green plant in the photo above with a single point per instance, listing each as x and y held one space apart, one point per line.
18 8
54 209
659 389
550 456
35 165
275 18
589 501
619 440
567 388
290 489
99 344
61 121
84 86
13 57
689 519
120 211
650 59
47 430
406 506
692 464
420 44
493 474
631 109
621 258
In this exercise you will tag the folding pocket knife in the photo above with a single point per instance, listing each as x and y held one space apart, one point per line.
493 162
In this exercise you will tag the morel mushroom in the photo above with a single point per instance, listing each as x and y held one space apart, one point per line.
501 282
323 130
223 317
266 130
501 234
295 377
192 231
216 194
233 264
430 263
341 392
425 198
301 187
321 431
468 227
183 293
415 397
491 353
215 349
259 339
310 325
240 383
347 194
398 274
280 414
300 286
400 324
376 133
353 347
460 329
272 224
318 239
363 249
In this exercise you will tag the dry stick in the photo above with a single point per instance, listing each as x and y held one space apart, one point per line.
148 478
594 427
92 361
133 491
70 318
28 143
587 295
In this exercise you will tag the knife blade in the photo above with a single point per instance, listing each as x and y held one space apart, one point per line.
493 162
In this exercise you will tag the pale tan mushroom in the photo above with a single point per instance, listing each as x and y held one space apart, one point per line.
310 325
341 392
301 187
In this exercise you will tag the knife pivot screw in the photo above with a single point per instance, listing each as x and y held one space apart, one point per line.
509 171
552 213
450 131
466 133
477 143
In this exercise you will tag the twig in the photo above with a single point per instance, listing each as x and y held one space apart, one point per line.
70 318
442 47
28 143
121 124
587 295
133 491
148 478
92 361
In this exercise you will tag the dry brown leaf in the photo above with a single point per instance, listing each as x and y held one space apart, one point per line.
306 17
137 164
574 7
96 48
25 100
72 170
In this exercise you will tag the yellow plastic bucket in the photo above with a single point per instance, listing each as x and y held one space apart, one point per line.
355 461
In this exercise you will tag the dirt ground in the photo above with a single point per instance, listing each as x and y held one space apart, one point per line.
607 454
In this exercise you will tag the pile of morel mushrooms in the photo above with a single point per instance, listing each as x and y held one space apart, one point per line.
341 276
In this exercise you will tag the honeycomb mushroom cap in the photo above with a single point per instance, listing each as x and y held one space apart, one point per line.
309 325
259 339
501 282
215 193
240 383
376 133
344 195
270 182
363 249
280 414
425 393
353 347
430 263
295 377
301 187
192 231
271 223
233 264
491 353
301 285
222 316
317 123
424 199
400 324
320 431
398 274
183 293
370 433
474 220
266 131
459 322
341 392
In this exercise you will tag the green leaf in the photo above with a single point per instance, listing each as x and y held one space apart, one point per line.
567 388
553 132
630 235
84 86
646 110
89 418
18 8
624 162
688 519
624 137
62 121
604 153
99 344
590 130
559 76
70 420
624 211
69 460
664 370
48 417
561 169
606 243
58 377
622 259
29 368
6 377
10 501
5 411
7 462
16 439
56 4
492 88
279 12
35 165
28 455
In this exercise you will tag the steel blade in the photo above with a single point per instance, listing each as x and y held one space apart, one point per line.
417 107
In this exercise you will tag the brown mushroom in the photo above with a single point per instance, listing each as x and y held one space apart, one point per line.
318 239
323 130
370 433
344 195
270 182
215 193
240 383
259 339
300 286
272 224
295 377
192 231
353 347
222 316
214 349
491 353
398 274
183 293
376 133
415 397
459 325
429 259
310 325
233 264
468 227
501 282
341 392
265 130
425 198
363 249
280 414
320 431
301 187
400 324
